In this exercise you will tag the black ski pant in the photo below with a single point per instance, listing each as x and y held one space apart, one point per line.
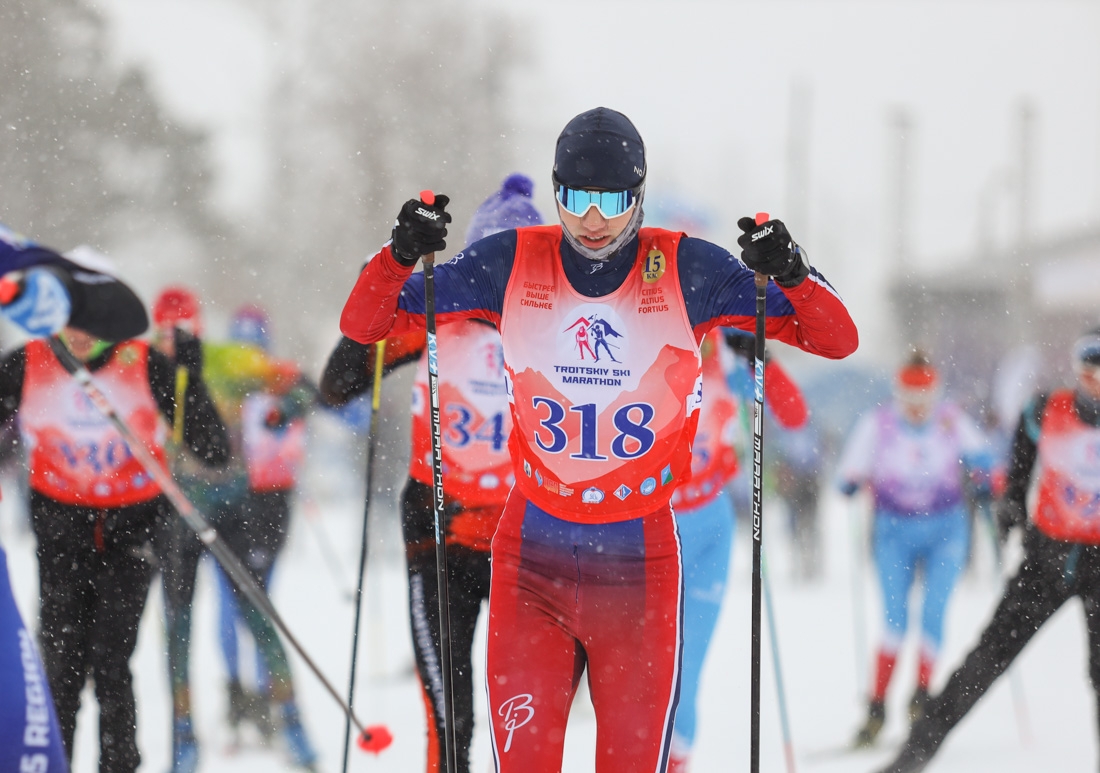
800 488
467 586
1052 572
94 570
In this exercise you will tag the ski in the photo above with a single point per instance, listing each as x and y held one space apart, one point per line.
825 754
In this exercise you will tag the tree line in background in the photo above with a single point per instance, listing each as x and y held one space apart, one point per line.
372 102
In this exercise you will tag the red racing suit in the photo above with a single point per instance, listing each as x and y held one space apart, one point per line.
592 580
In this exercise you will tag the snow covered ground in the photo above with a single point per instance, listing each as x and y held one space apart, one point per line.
815 635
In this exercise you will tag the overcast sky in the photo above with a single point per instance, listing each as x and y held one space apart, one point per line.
709 85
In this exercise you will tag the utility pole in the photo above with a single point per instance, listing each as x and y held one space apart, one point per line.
1026 150
912 323
1020 290
901 129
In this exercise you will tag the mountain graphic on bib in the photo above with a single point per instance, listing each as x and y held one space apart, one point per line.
590 435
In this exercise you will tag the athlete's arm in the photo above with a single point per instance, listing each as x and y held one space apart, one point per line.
1024 453
858 456
203 431
976 452
102 305
105 307
388 299
783 397
719 290
350 368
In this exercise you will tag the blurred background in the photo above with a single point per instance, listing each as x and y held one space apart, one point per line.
939 160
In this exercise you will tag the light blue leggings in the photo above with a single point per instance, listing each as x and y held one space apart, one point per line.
706 538
939 543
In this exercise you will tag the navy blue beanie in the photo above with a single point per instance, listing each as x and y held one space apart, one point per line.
600 149
510 207
1087 348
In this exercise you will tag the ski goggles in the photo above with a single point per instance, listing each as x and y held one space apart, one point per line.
578 201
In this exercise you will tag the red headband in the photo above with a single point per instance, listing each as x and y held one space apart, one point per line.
917 376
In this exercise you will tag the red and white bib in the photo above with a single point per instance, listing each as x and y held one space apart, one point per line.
1067 505
714 454
75 454
475 420
273 456
605 391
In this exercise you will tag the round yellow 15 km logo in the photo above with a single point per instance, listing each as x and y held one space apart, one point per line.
654 268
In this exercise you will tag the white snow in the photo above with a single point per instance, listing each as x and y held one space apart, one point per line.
816 640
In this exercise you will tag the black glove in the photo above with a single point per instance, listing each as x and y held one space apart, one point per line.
450 511
745 346
769 249
420 229
188 353
1008 514
275 419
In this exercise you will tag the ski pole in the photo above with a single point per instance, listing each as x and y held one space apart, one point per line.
773 632
757 507
376 394
859 606
450 752
374 738
1015 679
332 561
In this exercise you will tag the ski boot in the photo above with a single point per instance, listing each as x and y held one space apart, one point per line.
185 749
913 758
238 705
301 751
924 740
918 705
876 718
258 712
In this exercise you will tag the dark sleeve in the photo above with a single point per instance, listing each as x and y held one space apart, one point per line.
12 368
350 368
204 432
1025 451
388 300
472 283
295 404
720 290
103 306
345 373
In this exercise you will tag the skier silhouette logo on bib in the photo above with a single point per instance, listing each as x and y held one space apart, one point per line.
593 333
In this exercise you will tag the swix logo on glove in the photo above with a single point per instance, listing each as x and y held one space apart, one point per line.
427 213
763 232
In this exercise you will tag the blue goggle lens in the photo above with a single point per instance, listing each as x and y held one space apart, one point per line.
609 203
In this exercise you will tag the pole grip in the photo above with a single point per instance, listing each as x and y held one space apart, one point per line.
762 279
427 197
